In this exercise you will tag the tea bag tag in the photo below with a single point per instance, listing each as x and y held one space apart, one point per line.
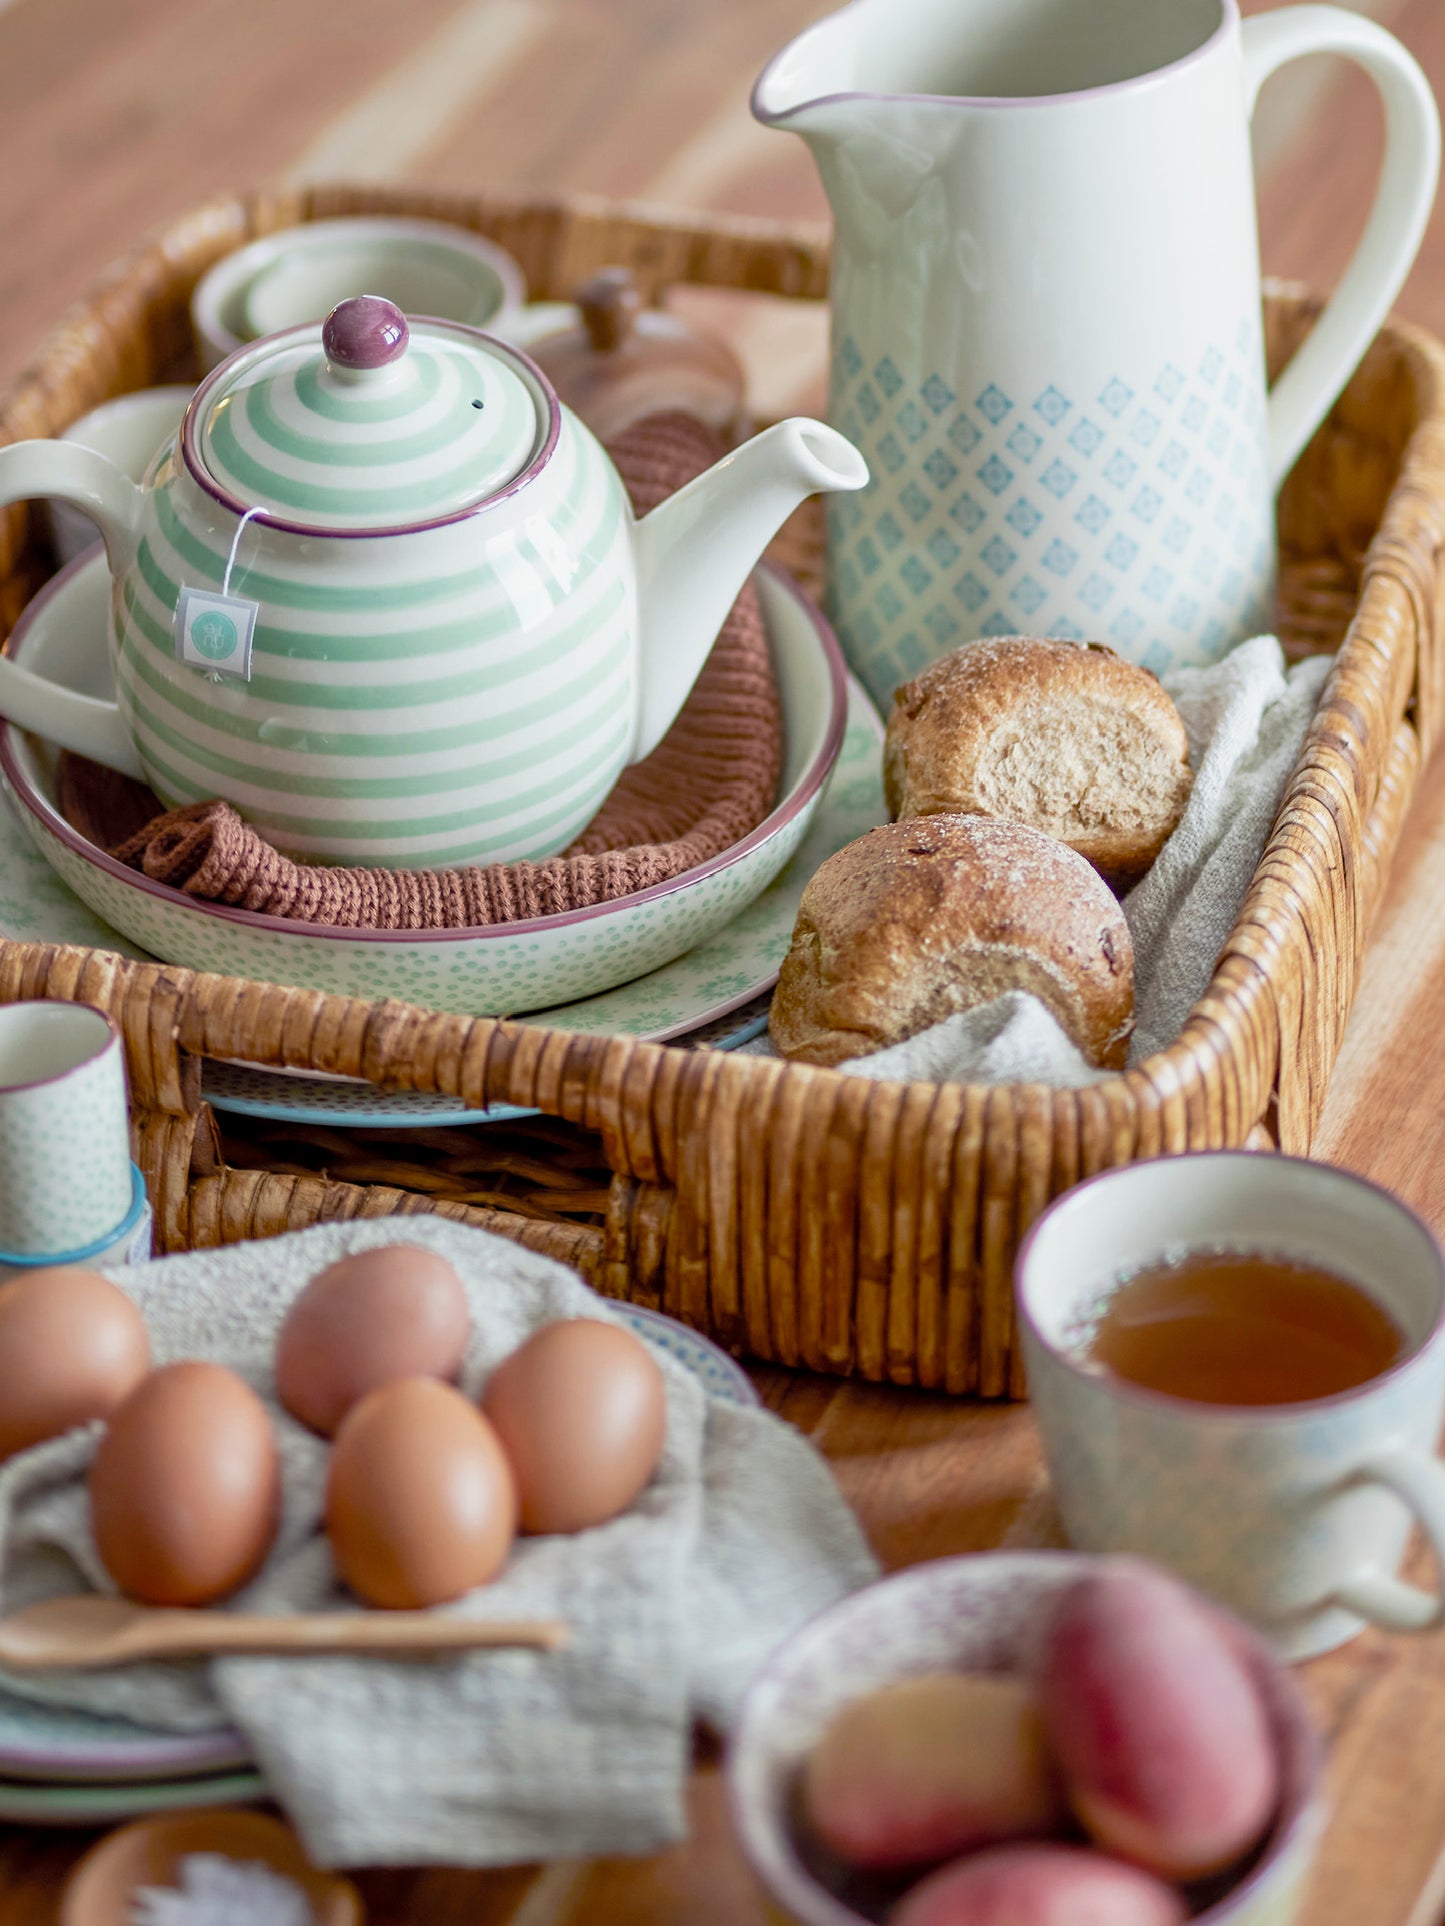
214 629
214 632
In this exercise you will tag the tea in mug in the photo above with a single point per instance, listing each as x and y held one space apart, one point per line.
1241 1328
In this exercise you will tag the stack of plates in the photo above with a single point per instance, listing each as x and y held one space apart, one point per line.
65 1768
725 926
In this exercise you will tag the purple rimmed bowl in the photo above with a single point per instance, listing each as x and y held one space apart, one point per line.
978 1614
496 970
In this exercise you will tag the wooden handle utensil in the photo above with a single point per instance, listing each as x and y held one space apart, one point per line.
88 1632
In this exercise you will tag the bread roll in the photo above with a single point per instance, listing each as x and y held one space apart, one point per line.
924 918
1074 740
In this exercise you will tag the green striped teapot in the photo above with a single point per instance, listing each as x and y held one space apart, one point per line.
387 597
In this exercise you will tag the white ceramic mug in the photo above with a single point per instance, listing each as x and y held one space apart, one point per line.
65 1170
1046 312
1294 1515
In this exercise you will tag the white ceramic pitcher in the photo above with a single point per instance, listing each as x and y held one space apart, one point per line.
1047 333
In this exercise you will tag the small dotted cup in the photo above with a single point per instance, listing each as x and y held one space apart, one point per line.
65 1169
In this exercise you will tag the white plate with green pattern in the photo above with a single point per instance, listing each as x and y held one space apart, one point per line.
504 969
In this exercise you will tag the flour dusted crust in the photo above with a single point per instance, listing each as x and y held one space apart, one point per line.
924 918
1073 740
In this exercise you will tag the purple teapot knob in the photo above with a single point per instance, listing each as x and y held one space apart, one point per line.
364 332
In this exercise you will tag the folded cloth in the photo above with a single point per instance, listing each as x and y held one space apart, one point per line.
491 1757
1246 719
710 782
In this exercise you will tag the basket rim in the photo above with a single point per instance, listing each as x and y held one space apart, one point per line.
794 264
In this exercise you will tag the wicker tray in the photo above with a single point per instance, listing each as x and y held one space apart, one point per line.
797 1215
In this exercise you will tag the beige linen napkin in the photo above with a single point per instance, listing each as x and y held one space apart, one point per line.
486 1758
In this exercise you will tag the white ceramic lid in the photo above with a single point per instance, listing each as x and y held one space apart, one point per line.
369 422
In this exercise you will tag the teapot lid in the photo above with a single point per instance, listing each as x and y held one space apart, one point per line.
368 424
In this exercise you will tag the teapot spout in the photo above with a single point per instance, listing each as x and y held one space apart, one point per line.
696 549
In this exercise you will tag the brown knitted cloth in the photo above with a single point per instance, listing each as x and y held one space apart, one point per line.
711 780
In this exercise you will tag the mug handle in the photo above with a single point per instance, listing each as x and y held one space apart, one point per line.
62 469
1327 358
1390 1602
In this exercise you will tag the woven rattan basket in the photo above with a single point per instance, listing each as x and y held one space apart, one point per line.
796 1214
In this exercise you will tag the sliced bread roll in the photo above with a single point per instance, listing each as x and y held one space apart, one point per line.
1073 740
923 918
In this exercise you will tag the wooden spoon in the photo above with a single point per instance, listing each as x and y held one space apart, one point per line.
85 1632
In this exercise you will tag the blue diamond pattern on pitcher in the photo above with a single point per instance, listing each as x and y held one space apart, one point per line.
1096 591
1029 596
939 469
1052 405
1116 397
971 592
935 551
914 503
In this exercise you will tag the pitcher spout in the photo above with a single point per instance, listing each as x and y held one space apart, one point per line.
696 549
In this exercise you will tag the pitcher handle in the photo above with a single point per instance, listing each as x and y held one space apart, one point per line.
1309 385
85 724
1390 1602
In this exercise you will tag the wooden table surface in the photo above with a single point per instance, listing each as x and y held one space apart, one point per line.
116 113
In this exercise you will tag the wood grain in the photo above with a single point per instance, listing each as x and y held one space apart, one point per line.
116 113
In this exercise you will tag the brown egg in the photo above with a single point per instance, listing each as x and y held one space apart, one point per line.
396 1311
581 1411
72 1345
420 1504
185 1488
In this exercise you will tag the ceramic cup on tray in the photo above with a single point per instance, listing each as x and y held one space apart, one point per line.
1046 313
66 1180
1294 1515
298 274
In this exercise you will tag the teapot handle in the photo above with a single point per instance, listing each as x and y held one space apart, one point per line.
69 473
